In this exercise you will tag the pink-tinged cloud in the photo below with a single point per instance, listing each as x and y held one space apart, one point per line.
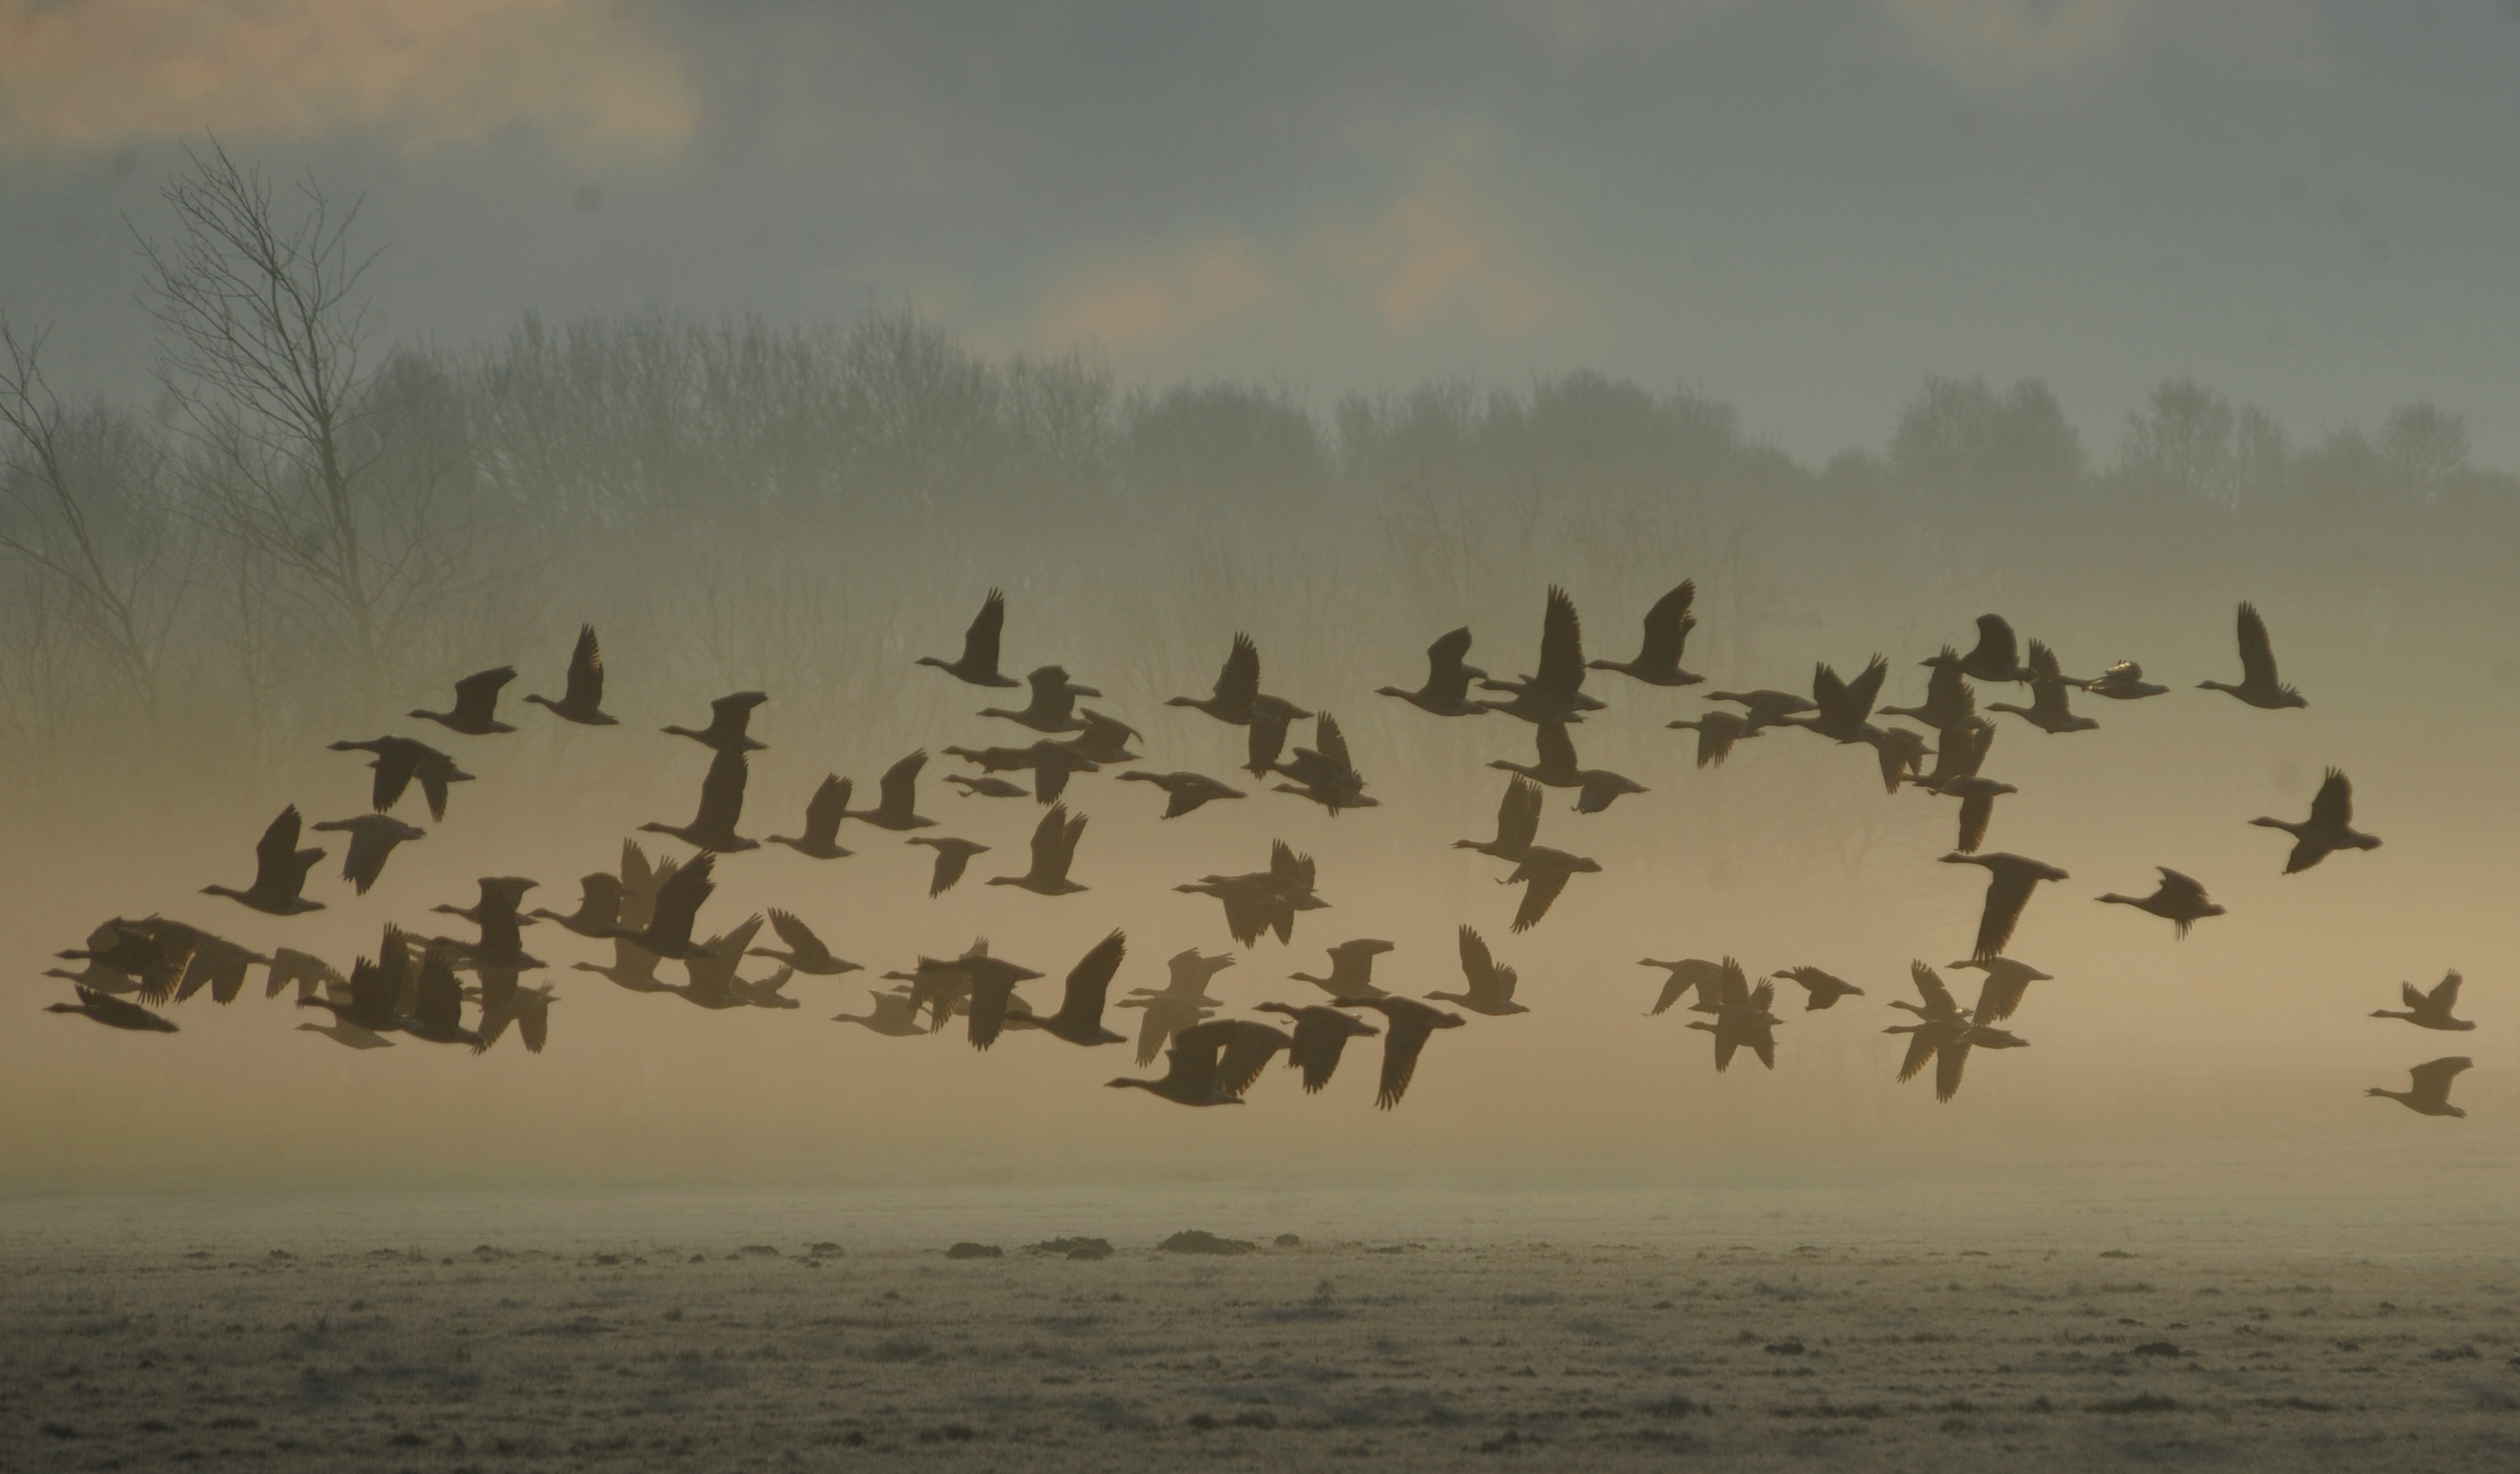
1209 284
96 72
1429 262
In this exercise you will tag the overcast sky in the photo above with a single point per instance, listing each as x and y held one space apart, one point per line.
1803 208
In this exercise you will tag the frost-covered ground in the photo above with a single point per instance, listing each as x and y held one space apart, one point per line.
1923 1327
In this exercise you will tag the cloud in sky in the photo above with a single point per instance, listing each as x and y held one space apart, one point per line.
1213 283
92 74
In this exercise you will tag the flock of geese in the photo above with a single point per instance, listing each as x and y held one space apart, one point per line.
649 910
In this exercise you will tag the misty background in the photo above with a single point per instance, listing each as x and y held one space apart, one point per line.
768 344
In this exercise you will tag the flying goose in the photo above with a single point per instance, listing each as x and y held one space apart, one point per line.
301 971
280 871
1351 969
710 972
1840 706
2178 899
113 1012
1948 1043
1165 1016
1054 850
1558 768
1821 990
1518 824
1977 796
582 701
2430 1011
1447 692
2429 1094
893 1014
2010 881
2008 981
730 722
1949 698
1320 1037
721 805
822 813
1324 772
1079 1019
476 701
2047 709
368 1006
1052 709
1104 739
897 794
634 967
1717 732
399 760
2329 827
1694 974
1186 790
130 951
1743 1018
1490 988
1192 1076
677 905
1406 1026
1544 872
1052 764
599 909
979 663
1187 974
805 950
2124 682
2259 686
1901 752
1556 693
1958 753
502 1002
1667 627
347 1035
992 995
437 1001
953 857
373 837
1237 694
1996 656
1766 708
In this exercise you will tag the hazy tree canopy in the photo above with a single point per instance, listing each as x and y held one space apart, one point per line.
1961 436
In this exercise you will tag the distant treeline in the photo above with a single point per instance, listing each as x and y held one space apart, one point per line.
307 531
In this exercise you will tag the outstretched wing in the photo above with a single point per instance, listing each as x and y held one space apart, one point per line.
2432 1080
1556 748
2007 893
1995 645
276 853
1089 982
2333 808
1445 656
2444 992
1561 647
2257 652
722 792
585 673
1948 1062
1939 1002
980 641
1518 817
2177 887
1331 742
1238 683
1865 689
898 788
476 695
1667 626
1539 893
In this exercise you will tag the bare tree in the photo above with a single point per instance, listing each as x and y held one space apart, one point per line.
264 327
81 508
